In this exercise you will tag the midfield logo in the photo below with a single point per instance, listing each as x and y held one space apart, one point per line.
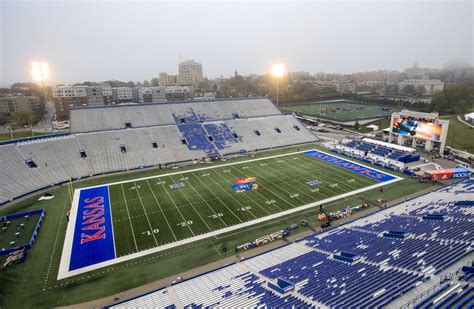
244 184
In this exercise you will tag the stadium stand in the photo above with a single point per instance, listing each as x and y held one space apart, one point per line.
115 117
158 136
383 151
453 291
366 263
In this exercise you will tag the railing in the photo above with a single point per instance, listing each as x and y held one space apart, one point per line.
444 278
422 296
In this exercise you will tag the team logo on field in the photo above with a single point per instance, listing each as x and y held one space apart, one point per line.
313 182
244 184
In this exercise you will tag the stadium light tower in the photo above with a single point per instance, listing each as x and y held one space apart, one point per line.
277 71
40 73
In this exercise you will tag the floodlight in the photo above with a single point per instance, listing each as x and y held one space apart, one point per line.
278 70
40 71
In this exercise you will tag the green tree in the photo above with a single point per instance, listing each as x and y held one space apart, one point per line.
205 85
3 118
409 90
155 81
22 116
420 90
357 125
454 99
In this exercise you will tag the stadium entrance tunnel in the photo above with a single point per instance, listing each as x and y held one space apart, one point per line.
282 286
346 257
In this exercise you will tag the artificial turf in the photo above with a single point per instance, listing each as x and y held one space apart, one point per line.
33 283
152 212
25 233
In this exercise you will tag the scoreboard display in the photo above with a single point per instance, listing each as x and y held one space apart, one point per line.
428 129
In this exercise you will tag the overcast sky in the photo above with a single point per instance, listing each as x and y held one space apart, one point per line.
135 41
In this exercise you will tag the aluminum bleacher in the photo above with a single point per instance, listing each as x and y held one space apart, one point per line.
116 117
383 269
160 134
453 291
379 151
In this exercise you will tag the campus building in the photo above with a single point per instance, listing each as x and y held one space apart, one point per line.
14 103
431 85
65 97
166 79
177 93
68 96
190 73
123 94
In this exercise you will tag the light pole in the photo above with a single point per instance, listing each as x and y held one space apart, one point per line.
11 132
277 71
277 91
40 73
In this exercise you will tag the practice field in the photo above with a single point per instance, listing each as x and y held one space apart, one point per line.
24 226
339 110
121 221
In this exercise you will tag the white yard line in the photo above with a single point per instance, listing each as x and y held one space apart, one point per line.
129 219
209 206
298 191
197 212
111 220
327 175
67 249
334 171
276 194
146 215
237 163
215 166
215 248
176 206
159 206
238 200
259 191
238 218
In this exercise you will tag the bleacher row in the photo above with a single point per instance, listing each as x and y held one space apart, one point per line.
383 151
81 155
101 118
454 292
384 267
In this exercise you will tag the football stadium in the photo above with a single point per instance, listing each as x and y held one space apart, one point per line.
228 203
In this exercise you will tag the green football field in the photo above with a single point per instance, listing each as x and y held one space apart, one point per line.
335 110
152 212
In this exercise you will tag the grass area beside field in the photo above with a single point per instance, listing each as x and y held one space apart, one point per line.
382 124
460 136
19 134
34 284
